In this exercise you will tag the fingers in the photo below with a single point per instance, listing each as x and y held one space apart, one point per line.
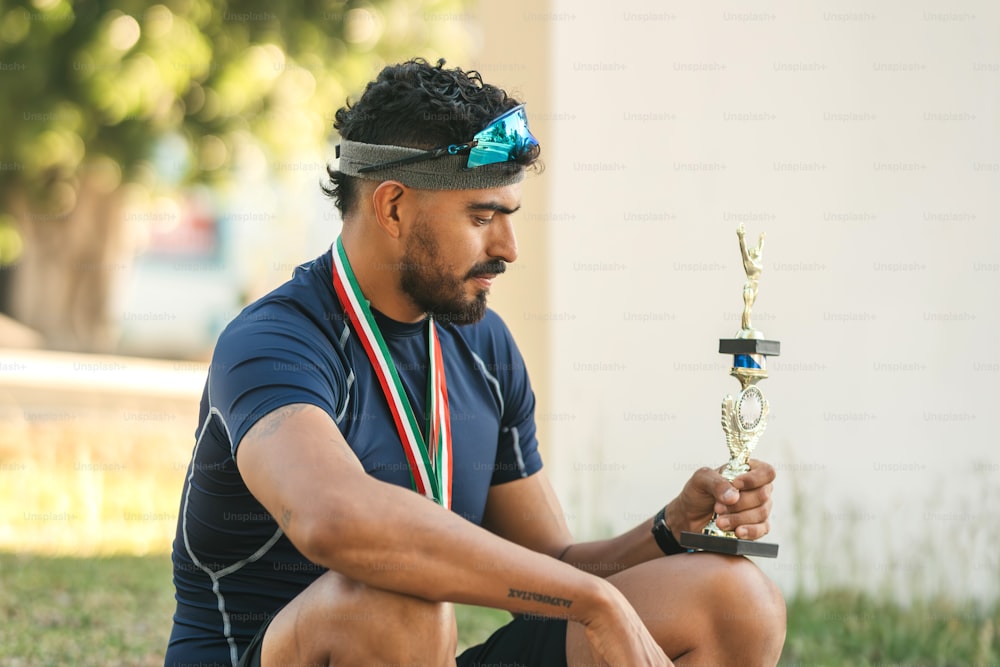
716 486
761 473
746 500
750 532
749 515
743 506
718 492
749 523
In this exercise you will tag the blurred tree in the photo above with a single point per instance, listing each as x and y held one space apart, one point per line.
92 91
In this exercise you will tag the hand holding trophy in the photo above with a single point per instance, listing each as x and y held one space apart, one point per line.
744 417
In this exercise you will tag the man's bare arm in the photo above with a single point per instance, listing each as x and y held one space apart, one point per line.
297 464
526 511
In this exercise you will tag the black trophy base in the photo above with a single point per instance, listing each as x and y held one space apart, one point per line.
728 545
770 348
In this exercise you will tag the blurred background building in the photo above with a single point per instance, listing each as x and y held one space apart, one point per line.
159 168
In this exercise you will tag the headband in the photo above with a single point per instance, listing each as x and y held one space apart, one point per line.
448 172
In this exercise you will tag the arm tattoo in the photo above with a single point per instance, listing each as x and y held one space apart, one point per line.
286 518
270 424
539 597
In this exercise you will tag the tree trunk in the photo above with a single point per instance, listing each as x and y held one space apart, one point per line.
74 266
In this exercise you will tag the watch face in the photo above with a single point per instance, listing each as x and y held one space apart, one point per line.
750 408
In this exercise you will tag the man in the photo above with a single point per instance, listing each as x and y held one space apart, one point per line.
377 371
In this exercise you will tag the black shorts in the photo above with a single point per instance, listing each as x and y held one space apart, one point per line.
527 641
524 642
251 657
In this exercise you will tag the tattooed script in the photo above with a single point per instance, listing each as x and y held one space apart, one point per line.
539 597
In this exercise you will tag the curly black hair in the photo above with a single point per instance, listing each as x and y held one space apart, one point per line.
418 105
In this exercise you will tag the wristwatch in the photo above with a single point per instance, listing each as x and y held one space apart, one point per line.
664 537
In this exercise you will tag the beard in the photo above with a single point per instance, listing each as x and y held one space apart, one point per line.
434 287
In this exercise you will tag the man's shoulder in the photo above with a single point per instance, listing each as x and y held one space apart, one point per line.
304 304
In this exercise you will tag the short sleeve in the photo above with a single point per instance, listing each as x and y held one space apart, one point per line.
269 357
517 446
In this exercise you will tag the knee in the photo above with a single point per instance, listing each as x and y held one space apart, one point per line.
344 622
397 629
753 603
412 631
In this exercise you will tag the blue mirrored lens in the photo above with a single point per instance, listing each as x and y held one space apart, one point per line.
503 139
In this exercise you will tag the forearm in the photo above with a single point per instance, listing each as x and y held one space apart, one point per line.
391 538
606 557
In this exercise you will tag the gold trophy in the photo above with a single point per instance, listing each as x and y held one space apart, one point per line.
744 417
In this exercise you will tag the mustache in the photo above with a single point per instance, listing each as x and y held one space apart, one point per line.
495 267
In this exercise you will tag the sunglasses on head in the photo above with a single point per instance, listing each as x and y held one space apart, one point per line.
505 138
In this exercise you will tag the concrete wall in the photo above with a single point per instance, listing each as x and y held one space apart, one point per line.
864 141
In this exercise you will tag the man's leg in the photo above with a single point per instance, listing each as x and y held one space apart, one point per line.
703 609
342 622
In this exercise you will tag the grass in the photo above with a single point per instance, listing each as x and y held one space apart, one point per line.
116 611
84 611
852 628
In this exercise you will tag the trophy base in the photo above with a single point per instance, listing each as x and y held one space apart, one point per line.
728 545
770 348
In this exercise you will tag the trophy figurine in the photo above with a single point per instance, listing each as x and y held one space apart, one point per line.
744 417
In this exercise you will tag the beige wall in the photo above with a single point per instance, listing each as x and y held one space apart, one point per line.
864 141
513 52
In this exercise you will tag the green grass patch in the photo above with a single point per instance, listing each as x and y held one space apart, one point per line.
851 628
84 611
117 610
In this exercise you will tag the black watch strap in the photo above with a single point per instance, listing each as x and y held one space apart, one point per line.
664 536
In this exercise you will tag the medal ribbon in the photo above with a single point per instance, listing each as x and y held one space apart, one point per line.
430 467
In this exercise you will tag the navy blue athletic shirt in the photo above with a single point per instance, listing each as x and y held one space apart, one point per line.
233 567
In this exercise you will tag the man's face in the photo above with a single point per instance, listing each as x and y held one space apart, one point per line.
456 244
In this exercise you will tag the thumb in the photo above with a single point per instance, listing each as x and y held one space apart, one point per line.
725 495
713 485
724 492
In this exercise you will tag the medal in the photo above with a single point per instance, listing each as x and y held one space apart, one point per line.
430 460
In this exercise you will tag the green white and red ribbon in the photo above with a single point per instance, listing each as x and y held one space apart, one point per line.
430 467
